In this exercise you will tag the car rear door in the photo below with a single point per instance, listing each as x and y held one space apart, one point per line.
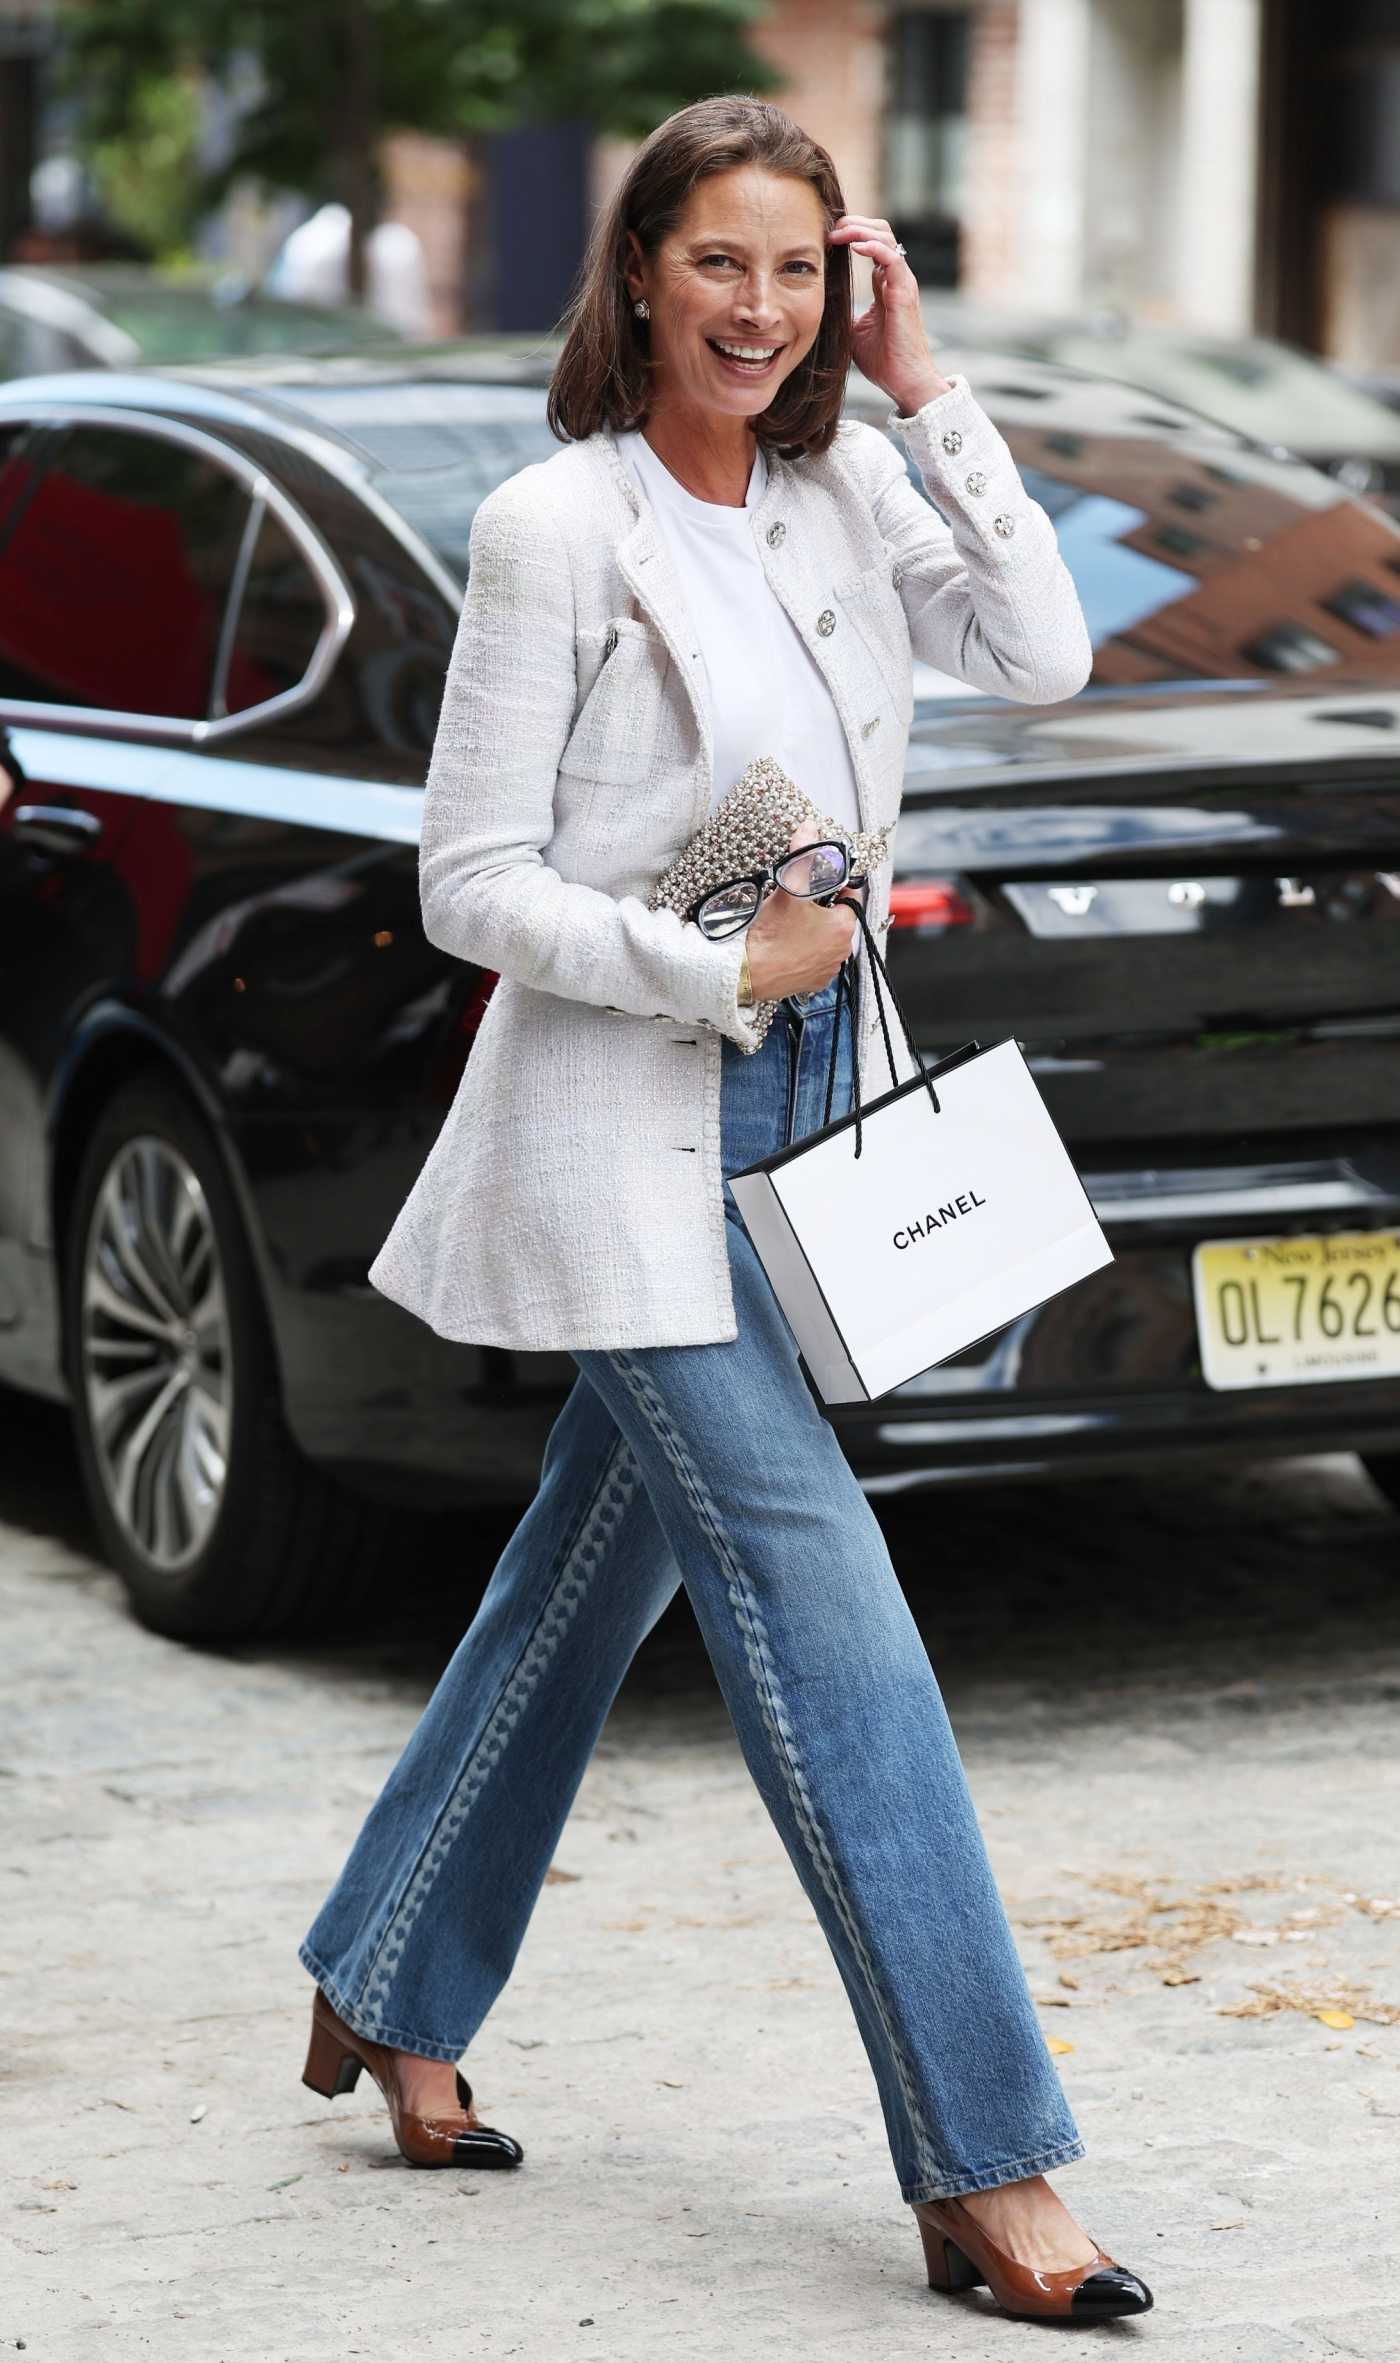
118 544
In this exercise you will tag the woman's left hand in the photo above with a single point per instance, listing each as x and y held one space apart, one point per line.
889 342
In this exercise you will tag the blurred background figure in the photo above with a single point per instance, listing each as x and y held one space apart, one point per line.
312 266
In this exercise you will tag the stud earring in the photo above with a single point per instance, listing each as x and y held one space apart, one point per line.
642 308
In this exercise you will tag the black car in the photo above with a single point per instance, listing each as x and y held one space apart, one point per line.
1276 393
227 600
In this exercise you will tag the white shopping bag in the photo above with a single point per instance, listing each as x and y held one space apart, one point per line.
899 1234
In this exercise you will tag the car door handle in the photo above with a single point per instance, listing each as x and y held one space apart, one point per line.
61 828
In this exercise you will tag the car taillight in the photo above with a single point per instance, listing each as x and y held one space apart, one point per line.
474 1010
929 902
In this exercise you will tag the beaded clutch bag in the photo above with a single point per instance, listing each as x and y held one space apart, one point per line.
753 824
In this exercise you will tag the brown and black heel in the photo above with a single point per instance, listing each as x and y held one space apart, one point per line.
334 2059
960 2255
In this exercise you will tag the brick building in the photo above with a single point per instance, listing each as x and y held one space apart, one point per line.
1224 164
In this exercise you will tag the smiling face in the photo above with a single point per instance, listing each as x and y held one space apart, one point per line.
745 268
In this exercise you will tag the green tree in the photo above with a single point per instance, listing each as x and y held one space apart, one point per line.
147 171
336 74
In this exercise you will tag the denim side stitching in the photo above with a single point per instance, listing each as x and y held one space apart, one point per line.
754 1635
565 1597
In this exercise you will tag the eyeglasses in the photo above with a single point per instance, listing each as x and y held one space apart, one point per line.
810 871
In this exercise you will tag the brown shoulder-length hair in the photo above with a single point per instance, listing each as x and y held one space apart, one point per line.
603 375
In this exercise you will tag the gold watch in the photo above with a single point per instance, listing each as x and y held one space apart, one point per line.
747 997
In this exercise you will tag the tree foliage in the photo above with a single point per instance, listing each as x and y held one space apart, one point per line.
333 75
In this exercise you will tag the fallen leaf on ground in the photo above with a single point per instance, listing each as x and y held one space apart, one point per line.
1053 2043
554 1877
1230 2223
1343 1999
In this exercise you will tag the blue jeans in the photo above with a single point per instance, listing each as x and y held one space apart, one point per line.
714 1464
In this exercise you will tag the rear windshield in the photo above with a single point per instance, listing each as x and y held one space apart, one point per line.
1263 389
1195 557
181 327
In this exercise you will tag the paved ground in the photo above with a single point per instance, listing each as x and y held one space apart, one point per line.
1177 1702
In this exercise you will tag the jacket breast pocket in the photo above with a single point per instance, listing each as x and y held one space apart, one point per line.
621 669
872 606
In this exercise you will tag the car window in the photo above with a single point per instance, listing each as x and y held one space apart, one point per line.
173 326
12 354
281 617
1196 557
18 471
437 449
1194 566
114 575
440 503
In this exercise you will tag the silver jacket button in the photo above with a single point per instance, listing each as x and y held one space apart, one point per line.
826 623
976 483
1005 526
610 642
776 533
952 443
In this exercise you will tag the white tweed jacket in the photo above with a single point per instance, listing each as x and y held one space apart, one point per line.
573 1197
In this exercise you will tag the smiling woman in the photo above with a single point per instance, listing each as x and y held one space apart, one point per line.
714 566
711 292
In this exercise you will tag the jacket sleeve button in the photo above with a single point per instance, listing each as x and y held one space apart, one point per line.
826 623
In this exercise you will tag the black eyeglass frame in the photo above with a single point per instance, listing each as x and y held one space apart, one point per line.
767 876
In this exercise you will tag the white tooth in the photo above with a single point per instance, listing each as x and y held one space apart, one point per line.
747 352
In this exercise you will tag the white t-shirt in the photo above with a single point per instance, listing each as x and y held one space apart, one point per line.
766 693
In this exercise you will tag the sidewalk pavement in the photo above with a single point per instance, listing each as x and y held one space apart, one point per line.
1177 1702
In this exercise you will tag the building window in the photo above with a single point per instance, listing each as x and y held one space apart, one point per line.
926 136
1176 539
1290 648
1366 607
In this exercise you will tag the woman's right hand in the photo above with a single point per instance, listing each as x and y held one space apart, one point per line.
795 945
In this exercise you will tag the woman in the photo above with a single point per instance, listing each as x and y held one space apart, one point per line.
714 566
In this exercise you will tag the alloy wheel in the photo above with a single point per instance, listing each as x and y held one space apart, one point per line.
156 1365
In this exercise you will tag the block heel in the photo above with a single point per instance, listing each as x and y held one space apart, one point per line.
961 2255
948 2268
330 2069
335 2055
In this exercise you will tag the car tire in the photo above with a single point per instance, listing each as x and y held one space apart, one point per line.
1383 1469
217 1525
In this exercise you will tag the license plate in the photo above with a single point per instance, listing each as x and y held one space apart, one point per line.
1289 1312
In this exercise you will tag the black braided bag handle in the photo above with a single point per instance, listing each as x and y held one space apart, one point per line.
845 988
